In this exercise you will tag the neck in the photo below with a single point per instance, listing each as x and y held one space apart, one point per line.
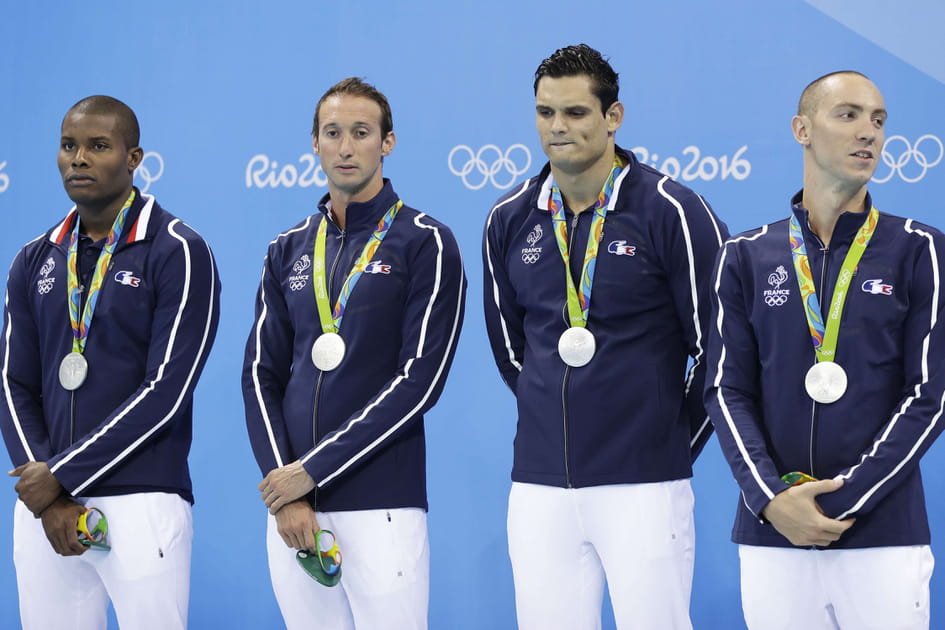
580 190
341 199
826 204
96 221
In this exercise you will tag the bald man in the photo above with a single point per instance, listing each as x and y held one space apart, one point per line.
100 424
826 385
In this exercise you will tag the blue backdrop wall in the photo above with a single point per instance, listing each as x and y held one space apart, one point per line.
225 93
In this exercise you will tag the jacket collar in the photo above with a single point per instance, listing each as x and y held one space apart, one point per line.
848 223
136 223
545 180
364 215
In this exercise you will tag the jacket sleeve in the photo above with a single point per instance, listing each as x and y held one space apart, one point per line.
732 394
504 317
186 312
432 321
21 413
917 419
266 370
690 247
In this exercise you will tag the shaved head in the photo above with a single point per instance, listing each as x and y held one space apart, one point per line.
812 95
126 121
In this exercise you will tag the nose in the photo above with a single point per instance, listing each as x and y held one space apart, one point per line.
79 157
558 125
346 146
867 131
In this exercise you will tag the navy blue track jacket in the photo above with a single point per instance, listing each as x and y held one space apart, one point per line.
632 414
892 346
358 429
128 428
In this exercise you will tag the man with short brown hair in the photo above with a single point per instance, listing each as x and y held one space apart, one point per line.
357 317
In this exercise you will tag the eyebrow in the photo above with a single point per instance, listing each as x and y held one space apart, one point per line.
860 108
92 139
566 108
354 124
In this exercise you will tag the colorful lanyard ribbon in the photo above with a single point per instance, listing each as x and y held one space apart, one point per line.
331 321
825 337
80 329
579 304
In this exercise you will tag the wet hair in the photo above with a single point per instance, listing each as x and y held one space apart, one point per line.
107 106
582 60
814 92
353 86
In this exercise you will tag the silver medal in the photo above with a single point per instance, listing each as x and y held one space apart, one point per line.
576 346
826 382
72 371
328 351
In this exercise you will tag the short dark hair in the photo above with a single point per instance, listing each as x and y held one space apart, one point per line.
108 106
582 59
355 86
813 93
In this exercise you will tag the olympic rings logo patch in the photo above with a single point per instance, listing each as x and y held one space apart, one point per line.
489 165
776 296
150 170
910 162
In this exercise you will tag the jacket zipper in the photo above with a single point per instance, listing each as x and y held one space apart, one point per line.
567 374
72 418
825 251
318 383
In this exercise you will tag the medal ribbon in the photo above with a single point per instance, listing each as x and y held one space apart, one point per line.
579 303
824 335
331 320
80 328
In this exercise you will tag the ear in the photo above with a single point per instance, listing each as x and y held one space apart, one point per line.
800 125
614 117
387 145
135 155
315 144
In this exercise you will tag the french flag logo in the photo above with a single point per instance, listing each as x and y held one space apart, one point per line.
620 248
376 266
127 278
876 287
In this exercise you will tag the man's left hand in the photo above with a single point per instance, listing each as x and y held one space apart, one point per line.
37 487
284 485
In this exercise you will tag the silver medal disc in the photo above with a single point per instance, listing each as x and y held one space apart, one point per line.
73 370
576 346
328 351
826 382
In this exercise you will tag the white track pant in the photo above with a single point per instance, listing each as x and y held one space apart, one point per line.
385 579
146 573
562 542
883 588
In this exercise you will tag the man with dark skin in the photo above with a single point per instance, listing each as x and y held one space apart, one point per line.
100 424
98 190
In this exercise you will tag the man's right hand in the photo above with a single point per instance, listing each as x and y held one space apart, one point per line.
297 524
59 523
797 516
